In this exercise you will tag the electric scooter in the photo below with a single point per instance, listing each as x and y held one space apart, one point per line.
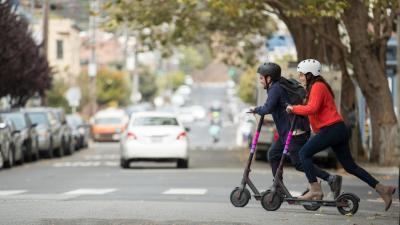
271 200
240 196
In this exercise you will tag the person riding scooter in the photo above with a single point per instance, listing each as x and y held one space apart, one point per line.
330 131
269 77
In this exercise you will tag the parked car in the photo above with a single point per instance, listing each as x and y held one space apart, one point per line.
80 130
67 140
154 136
29 135
48 129
17 146
6 149
108 125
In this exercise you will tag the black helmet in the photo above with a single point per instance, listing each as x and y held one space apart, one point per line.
270 69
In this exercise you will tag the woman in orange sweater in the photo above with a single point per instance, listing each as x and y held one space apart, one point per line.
330 131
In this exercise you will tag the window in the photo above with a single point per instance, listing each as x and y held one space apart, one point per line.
155 121
60 49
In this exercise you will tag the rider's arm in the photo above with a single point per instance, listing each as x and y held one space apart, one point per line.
270 103
314 101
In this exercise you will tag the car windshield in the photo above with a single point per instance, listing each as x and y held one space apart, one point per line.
74 120
38 118
108 120
18 120
155 121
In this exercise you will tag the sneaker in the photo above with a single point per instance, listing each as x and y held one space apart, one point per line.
336 185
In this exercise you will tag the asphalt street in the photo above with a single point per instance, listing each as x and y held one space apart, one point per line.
90 188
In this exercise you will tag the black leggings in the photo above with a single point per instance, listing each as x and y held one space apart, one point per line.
336 137
275 154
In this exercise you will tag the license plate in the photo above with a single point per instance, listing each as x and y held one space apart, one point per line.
156 139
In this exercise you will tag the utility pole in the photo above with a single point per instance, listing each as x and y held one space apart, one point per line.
45 40
92 67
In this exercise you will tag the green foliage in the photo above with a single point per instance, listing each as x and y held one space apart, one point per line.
194 58
248 85
230 28
112 87
170 81
56 95
147 84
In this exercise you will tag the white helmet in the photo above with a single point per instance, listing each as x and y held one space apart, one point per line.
309 66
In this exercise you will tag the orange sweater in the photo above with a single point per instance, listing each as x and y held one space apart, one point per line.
320 109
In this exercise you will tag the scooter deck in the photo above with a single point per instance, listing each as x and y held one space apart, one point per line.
297 201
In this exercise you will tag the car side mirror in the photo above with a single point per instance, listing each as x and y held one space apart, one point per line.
34 125
187 129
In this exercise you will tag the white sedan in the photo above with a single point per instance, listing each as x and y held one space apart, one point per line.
154 136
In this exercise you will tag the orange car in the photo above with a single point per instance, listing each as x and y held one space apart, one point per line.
108 125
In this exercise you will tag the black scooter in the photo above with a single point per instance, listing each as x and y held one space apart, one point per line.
271 200
240 196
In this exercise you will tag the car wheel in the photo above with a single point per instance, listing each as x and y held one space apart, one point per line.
1 160
22 159
62 149
10 161
29 153
50 151
182 163
71 146
124 163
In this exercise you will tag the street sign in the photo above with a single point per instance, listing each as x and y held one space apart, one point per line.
73 96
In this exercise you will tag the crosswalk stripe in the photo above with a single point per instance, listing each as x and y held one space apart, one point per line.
90 191
185 191
11 192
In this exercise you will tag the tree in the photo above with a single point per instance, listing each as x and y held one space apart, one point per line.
368 25
112 87
56 95
24 70
147 84
231 29
248 85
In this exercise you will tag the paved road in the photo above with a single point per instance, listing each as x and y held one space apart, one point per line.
90 188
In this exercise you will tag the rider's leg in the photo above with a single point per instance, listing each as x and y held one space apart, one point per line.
275 154
334 181
343 154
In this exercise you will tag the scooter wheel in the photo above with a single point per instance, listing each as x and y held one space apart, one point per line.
310 207
271 201
351 202
240 198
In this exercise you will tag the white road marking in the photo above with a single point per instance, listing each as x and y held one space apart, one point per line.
90 191
185 191
379 200
11 192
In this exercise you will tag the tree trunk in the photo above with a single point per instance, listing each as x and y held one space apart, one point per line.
373 83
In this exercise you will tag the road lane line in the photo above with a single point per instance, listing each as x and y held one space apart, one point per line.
185 191
11 192
90 191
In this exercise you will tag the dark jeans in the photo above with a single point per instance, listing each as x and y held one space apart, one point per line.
275 154
336 137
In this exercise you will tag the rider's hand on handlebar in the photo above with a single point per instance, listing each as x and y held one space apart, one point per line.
252 110
289 109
